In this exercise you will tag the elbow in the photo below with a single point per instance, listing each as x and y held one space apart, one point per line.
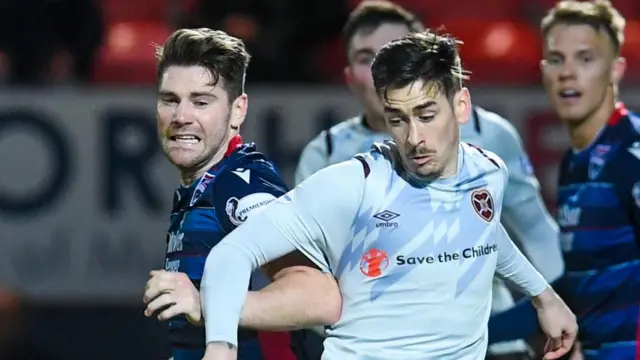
332 304
325 300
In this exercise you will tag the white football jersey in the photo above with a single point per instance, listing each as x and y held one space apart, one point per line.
524 215
414 259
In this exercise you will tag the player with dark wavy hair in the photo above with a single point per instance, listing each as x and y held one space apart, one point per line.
201 106
411 230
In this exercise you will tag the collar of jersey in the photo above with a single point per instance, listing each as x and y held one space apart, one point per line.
619 112
234 143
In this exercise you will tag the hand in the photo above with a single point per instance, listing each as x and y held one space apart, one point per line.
172 294
220 351
557 322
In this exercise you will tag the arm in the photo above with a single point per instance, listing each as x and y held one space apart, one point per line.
519 322
515 268
299 297
524 212
306 218
281 305
314 157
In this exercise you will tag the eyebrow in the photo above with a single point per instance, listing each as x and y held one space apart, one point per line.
416 108
195 94
363 51
579 52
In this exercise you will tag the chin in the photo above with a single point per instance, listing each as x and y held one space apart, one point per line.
571 116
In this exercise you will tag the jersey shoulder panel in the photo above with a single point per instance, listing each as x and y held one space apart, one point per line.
346 127
320 143
479 161
244 187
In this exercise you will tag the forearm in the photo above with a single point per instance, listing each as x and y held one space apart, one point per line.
227 273
515 268
520 321
223 291
300 298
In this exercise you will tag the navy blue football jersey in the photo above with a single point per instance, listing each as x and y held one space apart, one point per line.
599 219
203 213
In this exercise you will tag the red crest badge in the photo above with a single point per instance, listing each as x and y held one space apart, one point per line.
483 204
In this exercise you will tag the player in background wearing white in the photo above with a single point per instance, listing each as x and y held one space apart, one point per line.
420 216
371 26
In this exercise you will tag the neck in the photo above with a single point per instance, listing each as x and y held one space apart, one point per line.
583 133
375 122
451 169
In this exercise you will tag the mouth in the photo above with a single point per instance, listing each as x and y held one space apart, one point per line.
185 139
569 94
421 160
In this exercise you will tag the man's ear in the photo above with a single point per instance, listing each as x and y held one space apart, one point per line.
239 111
462 105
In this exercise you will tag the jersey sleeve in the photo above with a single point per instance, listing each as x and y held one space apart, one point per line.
513 267
314 157
241 192
524 212
313 217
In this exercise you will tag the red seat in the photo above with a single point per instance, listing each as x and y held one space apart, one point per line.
498 52
330 60
631 50
440 13
128 54
143 10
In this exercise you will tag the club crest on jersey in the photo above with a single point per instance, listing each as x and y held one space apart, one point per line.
482 203
202 186
597 160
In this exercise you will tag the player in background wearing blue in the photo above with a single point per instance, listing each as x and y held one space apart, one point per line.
599 185
373 24
411 230
200 107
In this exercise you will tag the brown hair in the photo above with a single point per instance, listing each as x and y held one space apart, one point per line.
423 56
223 55
599 14
371 14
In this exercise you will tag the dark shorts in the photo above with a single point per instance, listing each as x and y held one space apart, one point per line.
268 346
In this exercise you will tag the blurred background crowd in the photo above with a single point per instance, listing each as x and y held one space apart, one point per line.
84 190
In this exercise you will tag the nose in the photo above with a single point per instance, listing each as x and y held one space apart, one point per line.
413 139
182 114
567 70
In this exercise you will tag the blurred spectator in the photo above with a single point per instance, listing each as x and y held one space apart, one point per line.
280 34
49 40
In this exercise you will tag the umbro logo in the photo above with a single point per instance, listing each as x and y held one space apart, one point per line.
386 217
